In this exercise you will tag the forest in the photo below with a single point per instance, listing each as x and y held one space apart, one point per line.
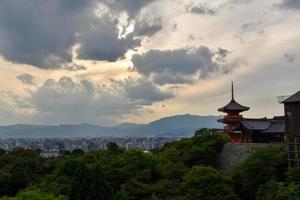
187 169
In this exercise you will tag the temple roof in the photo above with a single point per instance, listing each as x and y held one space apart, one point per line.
233 106
276 127
264 125
294 98
256 124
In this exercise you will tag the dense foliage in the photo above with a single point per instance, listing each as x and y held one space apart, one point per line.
259 168
34 195
183 170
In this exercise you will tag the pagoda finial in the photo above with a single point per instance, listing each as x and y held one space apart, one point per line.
232 91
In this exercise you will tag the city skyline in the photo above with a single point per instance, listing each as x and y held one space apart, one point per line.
106 62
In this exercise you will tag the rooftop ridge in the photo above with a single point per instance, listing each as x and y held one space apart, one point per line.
294 98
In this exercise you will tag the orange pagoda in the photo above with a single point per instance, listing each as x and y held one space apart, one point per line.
232 117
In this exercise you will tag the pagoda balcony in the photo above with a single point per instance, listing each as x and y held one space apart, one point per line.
231 118
239 117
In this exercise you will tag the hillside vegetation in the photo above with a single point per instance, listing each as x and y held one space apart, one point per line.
184 170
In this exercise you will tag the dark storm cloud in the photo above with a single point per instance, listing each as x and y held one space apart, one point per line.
102 42
147 27
43 33
178 66
40 33
289 5
26 79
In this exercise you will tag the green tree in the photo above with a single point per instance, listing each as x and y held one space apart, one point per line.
113 148
262 166
80 181
91 184
293 175
2 151
207 183
135 164
34 195
204 131
273 190
77 152
121 195
197 150
20 168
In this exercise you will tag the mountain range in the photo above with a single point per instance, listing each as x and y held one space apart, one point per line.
178 125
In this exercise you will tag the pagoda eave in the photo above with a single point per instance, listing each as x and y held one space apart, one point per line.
229 120
233 110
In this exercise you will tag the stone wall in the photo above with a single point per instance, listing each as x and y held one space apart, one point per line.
234 153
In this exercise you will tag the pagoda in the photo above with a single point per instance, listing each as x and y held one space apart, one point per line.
232 117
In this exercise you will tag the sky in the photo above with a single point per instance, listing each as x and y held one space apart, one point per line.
112 61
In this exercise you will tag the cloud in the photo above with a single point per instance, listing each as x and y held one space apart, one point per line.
44 33
144 92
288 5
66 97
178 66
202 9
69 101
240 1
102 42
252 26
165 78
221 54
40 33
147 26
132 7
289 58
26 79
74 67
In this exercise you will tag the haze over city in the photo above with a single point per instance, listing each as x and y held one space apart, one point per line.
108 62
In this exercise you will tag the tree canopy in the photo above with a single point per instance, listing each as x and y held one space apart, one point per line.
187 169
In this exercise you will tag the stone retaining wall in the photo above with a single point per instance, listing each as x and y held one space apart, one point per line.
234 153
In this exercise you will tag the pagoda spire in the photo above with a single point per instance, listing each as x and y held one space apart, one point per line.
232 91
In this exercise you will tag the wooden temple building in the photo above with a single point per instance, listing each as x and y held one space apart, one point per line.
249 130
292 117
262 130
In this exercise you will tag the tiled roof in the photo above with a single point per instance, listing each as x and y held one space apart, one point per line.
256 124
293 98
277 126
264 125
233 106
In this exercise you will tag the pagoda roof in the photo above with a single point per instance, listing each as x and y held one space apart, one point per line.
233 106
294 98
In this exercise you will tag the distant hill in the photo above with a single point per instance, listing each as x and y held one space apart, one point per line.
178 125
